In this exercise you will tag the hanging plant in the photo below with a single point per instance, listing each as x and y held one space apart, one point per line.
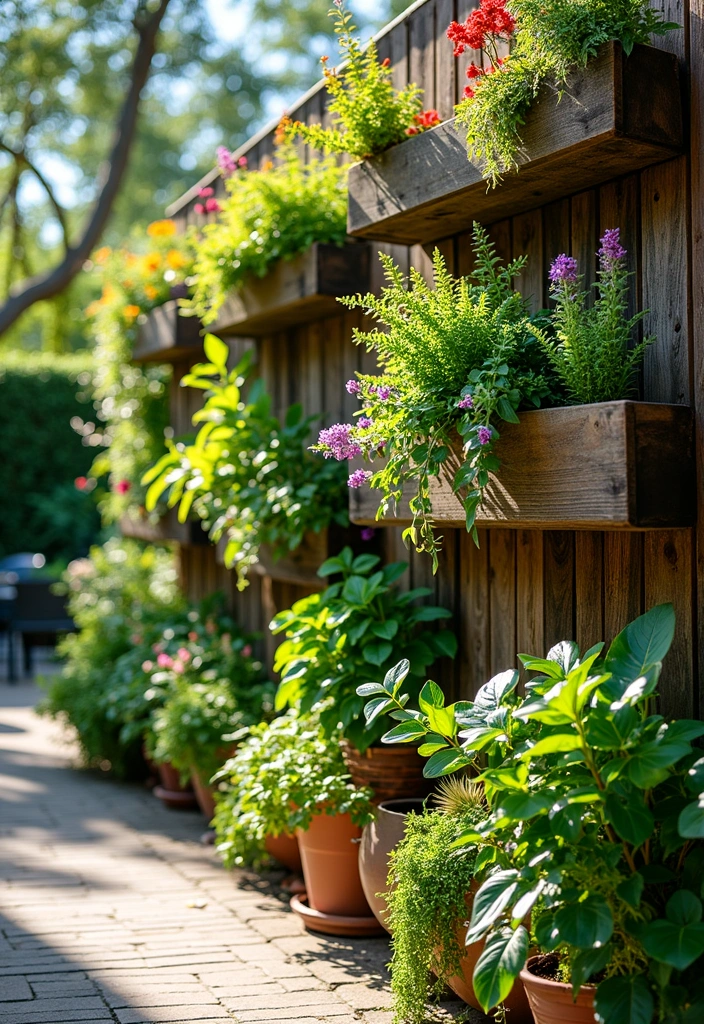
548 40
368 114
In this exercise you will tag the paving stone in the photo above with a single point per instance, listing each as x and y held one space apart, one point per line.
14 989
365 997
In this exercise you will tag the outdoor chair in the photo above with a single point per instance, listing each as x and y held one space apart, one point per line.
39 617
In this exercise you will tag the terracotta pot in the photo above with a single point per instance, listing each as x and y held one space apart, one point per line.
205 794
171 779
392 772
285 849
551 1001
379 838
330 854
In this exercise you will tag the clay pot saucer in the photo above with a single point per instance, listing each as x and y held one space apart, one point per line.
176 799
334 924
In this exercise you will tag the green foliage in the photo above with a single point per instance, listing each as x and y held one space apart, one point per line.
41 394
368 114
249 477
459 357
426 901
269 214
280 777
552 39
590 349
356 627
118 599
595 818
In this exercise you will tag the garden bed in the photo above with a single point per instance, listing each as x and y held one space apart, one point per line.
296 291
613 465
167 337
618 115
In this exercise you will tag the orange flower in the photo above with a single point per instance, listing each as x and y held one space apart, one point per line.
101 255
267 165
161 229
109 293
150 291
130 312
151 263
175 259
130 259
93 308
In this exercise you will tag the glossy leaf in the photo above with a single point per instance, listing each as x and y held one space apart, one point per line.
690 823
586 923
624 1000
405 732
490 902
444 762
587 963
643 643
500 963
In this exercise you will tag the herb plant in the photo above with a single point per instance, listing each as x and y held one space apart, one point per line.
590 354
269 214
456 359
368 114
426 901
359 625
551 38
595 821
282 775
249 477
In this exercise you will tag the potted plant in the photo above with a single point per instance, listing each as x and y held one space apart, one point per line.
288 779
336 639
249 477
594 824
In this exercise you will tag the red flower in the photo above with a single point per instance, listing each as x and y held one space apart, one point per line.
386 62
212 206
81 483
204 193
427 119
489 19
122 486
411 131
468 92
473 71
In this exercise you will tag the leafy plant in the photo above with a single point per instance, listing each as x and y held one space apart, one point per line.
595 820
426 901
590 354
358 625
551 38
368 114
457 360
282 775
269 214
250 478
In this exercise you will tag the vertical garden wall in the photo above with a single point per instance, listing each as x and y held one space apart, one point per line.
522 589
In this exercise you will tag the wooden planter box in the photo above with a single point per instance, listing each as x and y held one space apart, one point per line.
610 466
167 528
296 291
616 116
299 567
167 337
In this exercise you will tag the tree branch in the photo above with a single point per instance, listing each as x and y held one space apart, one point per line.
45 286
22 160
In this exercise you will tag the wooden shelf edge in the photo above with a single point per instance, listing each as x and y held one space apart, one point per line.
608 122
167 530
610 466
167 337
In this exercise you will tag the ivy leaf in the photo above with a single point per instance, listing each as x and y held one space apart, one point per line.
385 630
677 945
377 654
500 963
624 1000
631 889
370 689
557 743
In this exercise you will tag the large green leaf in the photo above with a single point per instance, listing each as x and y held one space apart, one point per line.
587 963
644 642
630 817
586 923
690 824
650 761
522 806
216 351
677 945
557 743
624 1000
490 902
444 762
405 732
500 963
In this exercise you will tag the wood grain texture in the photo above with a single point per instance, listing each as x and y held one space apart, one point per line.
167 337
614 464
604 126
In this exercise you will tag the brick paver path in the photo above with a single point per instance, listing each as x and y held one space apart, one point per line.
112 910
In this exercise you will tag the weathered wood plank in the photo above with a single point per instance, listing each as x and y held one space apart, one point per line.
530 584
296 291
502 599
618 115
668 577
475 649
559 589
615 464
167 337
623 581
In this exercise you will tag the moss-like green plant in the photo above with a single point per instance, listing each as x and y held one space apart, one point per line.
426 900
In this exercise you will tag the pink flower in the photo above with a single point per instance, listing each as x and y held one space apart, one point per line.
192 636
205 193
247 651
484 435
564 268
164 661
147 666
122 486
212 206
178 667
226 161
359 478
242 162
353 387
465 402
338 442
81 483
611 251
184 654
382 392
364 422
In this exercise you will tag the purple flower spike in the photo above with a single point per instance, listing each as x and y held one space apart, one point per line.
382 392
465 402
359 478
564 268
338 442
364 422
353 387
484 435
368 533
611 249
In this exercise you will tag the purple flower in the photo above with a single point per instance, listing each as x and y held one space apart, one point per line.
564 268
382 392
226 161
364 422
465 402
484 435
368 533
611 249
339 443
353 387
359 478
